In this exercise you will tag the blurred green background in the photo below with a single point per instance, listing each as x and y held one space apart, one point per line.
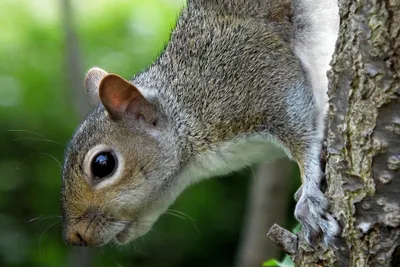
43 57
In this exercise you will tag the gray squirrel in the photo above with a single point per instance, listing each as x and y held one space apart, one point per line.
240 82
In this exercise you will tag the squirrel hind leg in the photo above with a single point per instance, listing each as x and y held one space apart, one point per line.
316 27
312 209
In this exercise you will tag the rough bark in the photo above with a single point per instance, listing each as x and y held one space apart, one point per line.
363 141
268 197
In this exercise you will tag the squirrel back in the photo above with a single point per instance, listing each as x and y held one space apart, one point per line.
232 68
239 82
270 10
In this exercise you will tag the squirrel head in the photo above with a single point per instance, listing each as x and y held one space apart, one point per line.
117 166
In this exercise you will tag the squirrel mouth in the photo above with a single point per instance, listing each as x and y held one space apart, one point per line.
123 236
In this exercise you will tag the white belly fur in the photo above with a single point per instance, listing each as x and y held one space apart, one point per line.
234 155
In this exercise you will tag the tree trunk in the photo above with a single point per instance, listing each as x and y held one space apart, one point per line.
363 141
268 202
78 257
73 64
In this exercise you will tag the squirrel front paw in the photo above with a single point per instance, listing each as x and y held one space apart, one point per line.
298 193
312 213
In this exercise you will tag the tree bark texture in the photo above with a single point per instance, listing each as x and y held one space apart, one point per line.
268 202
363 140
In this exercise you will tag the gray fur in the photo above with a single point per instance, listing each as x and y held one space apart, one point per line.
229 74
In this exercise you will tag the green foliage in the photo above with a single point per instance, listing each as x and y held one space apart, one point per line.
287 262
296 229
37 118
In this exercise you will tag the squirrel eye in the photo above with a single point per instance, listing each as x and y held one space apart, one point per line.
103 165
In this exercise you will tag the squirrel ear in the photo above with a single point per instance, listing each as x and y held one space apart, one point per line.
92 83
123 99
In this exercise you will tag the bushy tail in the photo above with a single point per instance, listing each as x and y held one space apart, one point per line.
316 26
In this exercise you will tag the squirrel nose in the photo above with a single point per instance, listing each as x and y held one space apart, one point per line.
76 239
80 234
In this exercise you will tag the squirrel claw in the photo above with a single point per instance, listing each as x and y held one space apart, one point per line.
312 213
298 193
